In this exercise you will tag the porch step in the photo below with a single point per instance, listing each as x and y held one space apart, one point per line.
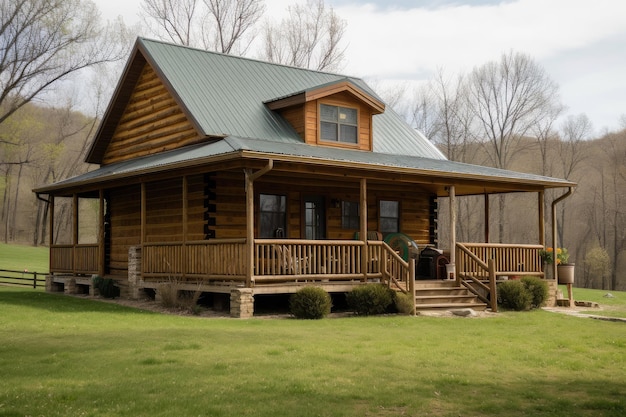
443 295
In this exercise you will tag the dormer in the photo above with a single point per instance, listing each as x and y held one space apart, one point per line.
337 114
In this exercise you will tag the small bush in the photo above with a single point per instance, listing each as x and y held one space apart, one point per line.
538 290
404 303
514 295
310 303
173 296
106 286
370 299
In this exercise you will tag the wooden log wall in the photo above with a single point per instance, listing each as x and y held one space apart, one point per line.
152 122
163 216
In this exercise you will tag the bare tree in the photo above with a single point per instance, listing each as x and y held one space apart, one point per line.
218 25
43 42
309 38
508 98
176 19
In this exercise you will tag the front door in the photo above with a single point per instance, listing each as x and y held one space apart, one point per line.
314 217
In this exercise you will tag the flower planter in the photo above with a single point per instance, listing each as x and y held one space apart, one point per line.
565 273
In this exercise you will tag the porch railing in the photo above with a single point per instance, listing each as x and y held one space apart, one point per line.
275 260
221 259
480 265
76 259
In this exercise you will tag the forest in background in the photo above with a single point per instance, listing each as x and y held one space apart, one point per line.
49 144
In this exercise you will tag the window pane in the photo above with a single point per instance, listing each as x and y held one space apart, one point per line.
348 134
349 215
388 208
329 131
272 215
328 113
347 116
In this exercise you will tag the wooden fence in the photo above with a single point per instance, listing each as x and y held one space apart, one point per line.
24 278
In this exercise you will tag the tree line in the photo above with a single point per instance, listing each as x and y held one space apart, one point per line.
505 113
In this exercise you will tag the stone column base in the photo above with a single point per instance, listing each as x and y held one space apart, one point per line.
241 303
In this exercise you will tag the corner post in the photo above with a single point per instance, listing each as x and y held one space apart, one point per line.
453 214
363 227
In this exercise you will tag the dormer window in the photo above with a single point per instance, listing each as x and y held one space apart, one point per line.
338 124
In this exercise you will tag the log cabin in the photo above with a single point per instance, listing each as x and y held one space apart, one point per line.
244 178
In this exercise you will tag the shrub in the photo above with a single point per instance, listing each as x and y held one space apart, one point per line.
310 303
172 295
106 286
514 295
538 290
404 303
370 299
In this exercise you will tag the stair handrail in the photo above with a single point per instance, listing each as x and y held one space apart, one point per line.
389 253
490 268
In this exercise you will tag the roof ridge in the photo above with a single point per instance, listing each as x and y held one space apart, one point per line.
258 60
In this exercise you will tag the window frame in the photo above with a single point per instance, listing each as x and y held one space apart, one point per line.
348 219
338 124
274 215
381 217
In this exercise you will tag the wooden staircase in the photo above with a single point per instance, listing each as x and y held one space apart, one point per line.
445 295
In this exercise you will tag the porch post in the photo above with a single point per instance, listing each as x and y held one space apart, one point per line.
542 218
184 204
75 230
51 227
249 227
451 193
250 177
363 227
486 198
101 233
142 238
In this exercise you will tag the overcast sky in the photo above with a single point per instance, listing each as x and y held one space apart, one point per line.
580 43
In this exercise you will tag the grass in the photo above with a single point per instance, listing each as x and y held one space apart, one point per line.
68 356
610 307
19 258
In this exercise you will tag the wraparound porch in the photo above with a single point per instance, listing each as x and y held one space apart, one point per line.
286 265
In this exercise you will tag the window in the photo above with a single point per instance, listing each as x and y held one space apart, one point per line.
349 215
389 217
338 124
273 215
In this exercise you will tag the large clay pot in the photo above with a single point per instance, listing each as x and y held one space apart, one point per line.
565 273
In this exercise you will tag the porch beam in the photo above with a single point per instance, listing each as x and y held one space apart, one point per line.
363 226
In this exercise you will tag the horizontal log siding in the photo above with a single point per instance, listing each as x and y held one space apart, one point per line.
124 205
163 216
230 213
152 122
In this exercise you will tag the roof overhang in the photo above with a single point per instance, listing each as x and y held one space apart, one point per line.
433 176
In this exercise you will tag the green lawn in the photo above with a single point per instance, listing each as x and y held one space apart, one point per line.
67 356
19 258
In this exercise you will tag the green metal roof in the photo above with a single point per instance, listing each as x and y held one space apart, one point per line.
224 98
226 94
